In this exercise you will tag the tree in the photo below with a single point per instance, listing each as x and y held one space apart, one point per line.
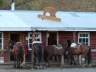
1 2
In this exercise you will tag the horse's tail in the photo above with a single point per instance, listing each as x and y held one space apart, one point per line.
89 57
40 54
21 53
45 55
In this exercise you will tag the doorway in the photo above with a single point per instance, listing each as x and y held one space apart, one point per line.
14 37
52 38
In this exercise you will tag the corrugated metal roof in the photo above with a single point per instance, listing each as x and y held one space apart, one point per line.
27 21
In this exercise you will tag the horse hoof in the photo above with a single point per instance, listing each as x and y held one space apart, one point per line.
14 66
41 67
38 67
20 67
74 64
83 65
89 65
70 63
47 66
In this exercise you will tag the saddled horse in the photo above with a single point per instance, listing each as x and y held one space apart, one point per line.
80 49
18 53
37 52
57 50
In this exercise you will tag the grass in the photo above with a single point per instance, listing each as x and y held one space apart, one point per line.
64 5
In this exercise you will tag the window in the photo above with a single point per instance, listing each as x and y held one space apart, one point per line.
83 38
37 38
1 41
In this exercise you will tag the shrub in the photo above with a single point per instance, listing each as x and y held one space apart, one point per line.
1 2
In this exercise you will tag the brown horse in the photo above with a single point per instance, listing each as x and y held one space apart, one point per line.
74 49
57 50
38 53
18 53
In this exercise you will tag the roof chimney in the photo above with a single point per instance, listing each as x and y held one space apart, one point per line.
13 5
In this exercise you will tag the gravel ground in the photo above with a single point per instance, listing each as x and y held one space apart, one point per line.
51 70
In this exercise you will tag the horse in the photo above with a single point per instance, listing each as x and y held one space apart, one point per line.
54 50
80 49
18 53
37 53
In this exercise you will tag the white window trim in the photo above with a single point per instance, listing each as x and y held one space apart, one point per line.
31 37
84 33
2 39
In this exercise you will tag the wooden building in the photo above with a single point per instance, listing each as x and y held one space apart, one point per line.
27 26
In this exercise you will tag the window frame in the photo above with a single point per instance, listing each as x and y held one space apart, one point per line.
31 38
2 40
84 37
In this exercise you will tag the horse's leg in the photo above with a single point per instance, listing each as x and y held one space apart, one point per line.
34 60
89 57
39 60
59 60
14 61
85 61
21 60
47 62
67 56
18 62
62 60
72 59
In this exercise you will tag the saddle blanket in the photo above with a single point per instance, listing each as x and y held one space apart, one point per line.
36 42
58 47
74 45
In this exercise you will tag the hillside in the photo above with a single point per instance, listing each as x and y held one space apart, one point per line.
64 5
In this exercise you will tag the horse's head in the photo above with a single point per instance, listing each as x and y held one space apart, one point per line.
10 44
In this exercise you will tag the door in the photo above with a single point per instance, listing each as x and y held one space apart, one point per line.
14 37
52 38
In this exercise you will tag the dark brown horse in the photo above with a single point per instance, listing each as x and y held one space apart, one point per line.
38 52
18 53
57 50
74 49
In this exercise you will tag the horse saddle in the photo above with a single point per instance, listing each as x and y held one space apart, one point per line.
58 47
74 45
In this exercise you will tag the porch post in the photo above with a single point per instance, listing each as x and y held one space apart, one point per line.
74 36
33 39
74 39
